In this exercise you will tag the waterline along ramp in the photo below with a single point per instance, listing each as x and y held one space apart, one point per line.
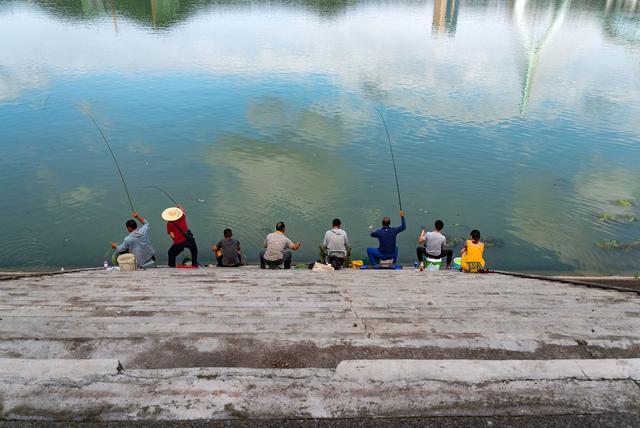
251 344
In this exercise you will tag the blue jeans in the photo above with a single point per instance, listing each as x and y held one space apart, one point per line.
375 256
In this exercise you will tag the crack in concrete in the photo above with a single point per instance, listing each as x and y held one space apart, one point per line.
360 321
584 346
585 375
480 384
346 344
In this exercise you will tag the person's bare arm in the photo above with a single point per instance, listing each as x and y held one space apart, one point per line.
138 217
421 239
296 246
214 248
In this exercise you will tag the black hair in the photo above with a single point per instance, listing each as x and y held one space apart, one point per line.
386 221
280 226
439 225
227 233
475 234
336 222
131 224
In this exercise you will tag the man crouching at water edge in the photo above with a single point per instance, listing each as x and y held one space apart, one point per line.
335 248
137 242
227 251
386 235
179 232
276 249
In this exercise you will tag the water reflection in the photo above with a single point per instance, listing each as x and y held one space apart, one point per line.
163 14
536 27
445 17
258 111
622 22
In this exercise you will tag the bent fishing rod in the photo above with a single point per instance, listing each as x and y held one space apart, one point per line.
165 193
115 160
393 159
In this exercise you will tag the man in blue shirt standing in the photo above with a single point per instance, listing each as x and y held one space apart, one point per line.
386 235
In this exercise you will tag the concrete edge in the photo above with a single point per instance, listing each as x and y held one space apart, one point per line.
479 371
19 275
568 281
32 370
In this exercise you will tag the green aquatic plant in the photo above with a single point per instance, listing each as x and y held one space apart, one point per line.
624 203
616 218
614 244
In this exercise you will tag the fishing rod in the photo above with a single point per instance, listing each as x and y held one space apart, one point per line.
393 159
114 159
166 194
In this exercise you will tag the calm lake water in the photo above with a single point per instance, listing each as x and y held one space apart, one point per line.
519 118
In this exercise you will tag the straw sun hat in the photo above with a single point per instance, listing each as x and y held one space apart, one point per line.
172 214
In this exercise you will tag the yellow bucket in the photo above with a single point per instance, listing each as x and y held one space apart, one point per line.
357 264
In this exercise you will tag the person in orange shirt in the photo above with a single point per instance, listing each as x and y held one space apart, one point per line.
472 252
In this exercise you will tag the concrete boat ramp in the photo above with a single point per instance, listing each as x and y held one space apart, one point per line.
252 345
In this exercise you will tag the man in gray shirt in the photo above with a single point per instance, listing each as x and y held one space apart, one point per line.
276 248
432 245
137 242
227 250
335 246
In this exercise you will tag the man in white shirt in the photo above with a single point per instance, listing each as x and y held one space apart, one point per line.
432 245
335 246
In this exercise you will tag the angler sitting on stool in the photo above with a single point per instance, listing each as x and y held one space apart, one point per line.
432 245
276 249
335 249
386 235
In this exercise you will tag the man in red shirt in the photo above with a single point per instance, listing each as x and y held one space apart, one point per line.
179 232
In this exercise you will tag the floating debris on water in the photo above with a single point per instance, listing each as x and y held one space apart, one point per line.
493 242
624 203
452 242
616 218
200 200
613 244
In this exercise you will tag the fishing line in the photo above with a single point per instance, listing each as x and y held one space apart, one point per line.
393 159
114 159
166 194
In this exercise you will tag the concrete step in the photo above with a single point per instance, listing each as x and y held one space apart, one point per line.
446 314
70 390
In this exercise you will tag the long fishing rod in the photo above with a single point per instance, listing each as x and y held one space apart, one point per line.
166 194
393 159
124 183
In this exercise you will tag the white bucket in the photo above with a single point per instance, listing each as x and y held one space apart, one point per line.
127 262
